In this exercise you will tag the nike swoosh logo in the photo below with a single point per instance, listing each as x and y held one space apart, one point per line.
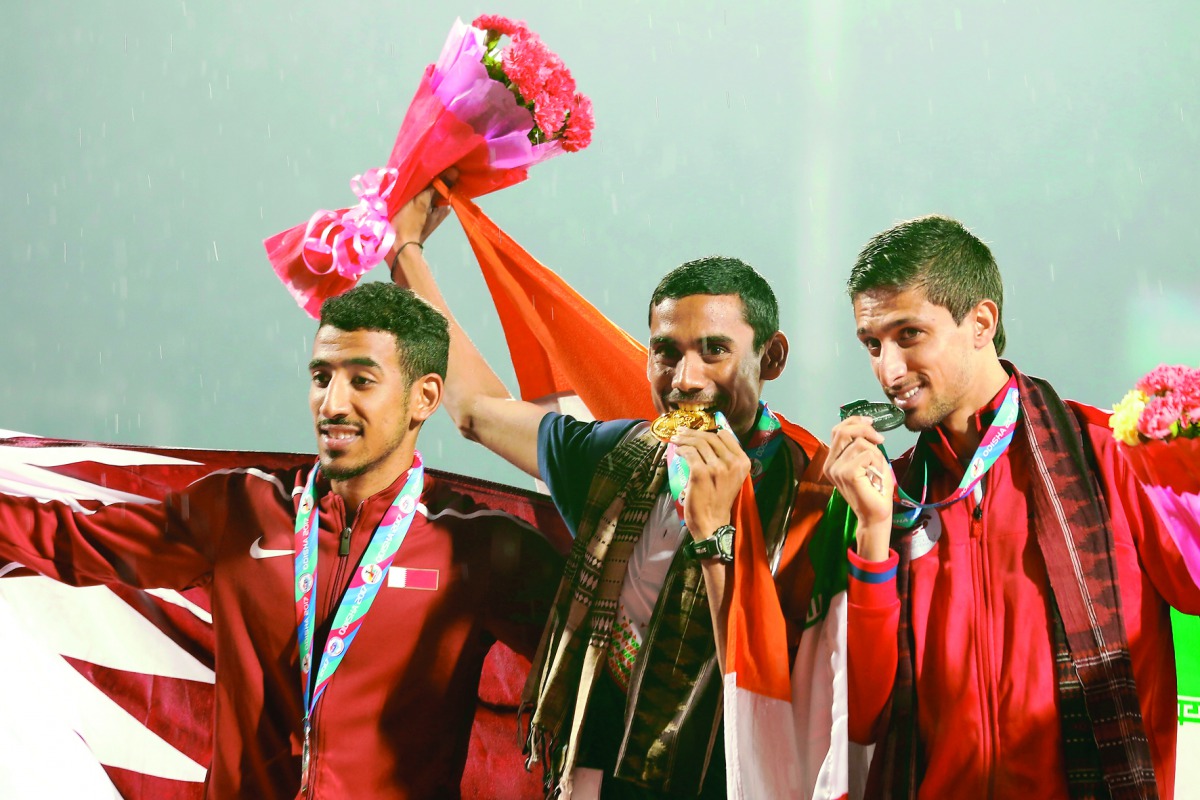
257 551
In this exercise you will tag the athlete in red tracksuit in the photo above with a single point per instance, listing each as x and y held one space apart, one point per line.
1048 534
395 719
985 679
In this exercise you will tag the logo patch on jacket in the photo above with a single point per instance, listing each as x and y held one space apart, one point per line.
413 578
926 534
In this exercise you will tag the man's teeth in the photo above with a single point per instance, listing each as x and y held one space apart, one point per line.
690 406
907 395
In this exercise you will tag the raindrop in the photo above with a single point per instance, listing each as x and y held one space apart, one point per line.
216 255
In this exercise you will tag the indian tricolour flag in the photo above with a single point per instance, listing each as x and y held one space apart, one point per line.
786 729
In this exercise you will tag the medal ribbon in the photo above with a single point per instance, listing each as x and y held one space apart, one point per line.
993 444
368 577
761 445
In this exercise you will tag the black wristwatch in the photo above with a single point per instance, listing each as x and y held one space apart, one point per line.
718 546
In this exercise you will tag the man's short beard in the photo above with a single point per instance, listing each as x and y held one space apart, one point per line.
344 473
939 411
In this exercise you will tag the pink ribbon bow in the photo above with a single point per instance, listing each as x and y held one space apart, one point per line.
356 240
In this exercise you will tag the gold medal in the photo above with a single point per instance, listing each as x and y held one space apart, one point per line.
699 420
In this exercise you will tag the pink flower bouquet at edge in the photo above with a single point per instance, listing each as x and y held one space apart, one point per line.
490 111
1158 426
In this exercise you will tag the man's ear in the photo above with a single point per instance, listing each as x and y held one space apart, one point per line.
774 357
425 396
984 319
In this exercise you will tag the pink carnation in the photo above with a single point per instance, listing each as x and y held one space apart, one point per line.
522 65
542 80
580 125
501 26
1189 396
555 96
1159 415
1164 378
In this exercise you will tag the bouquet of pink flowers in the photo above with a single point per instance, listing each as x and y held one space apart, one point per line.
489 111
1158 426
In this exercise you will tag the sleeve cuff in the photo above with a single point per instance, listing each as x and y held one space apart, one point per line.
872 583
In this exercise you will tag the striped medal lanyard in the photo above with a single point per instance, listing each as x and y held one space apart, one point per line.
364 585
995 441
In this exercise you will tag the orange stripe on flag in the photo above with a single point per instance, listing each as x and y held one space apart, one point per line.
756 640
558 341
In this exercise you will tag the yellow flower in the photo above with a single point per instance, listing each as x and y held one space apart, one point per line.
1125 415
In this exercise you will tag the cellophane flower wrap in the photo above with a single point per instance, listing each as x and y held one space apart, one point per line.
491 111
1158 426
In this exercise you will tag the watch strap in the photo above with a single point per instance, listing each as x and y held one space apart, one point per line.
718 546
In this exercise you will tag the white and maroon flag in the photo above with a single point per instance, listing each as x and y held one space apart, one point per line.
115 685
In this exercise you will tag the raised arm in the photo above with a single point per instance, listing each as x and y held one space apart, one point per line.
474 396
858 469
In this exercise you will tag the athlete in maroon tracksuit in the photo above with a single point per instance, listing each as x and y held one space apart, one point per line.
395 719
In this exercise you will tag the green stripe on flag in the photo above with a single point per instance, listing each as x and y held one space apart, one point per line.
1186 630
827 549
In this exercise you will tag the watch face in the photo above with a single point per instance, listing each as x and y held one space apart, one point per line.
724 542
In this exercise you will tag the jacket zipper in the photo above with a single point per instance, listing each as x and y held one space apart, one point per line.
983 621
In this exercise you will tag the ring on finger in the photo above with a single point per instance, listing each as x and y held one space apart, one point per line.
876 478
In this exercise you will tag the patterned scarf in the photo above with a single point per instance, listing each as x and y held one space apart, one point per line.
676 685
623 493
1105 748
